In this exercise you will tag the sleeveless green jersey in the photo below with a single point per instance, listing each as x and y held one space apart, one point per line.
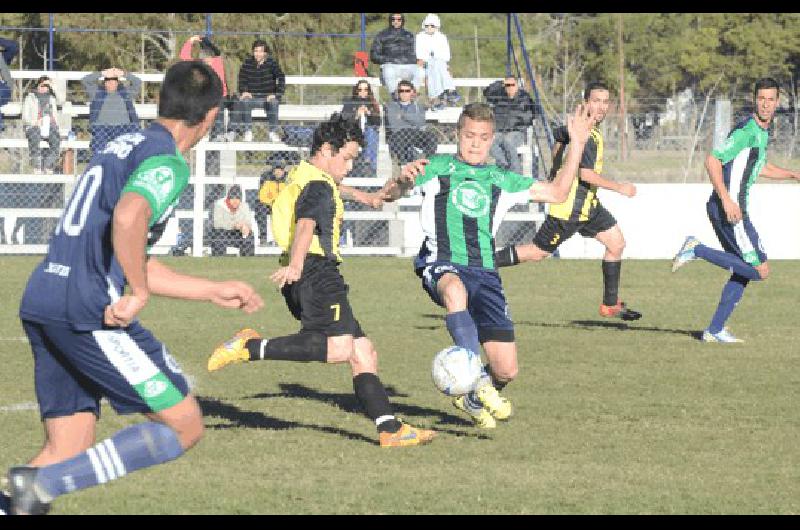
462 207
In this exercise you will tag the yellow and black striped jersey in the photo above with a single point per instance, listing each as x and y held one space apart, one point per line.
582 198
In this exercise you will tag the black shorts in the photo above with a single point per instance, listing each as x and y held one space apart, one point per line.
555 231
319 300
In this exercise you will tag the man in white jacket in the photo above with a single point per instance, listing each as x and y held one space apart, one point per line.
433 54
39 122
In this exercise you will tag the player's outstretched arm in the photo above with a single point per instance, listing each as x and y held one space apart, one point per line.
623 188
771 171
578 126
303 232
373 200
233 294
396 187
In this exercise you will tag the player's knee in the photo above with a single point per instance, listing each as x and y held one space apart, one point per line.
340 349
763 271
454 294
506 373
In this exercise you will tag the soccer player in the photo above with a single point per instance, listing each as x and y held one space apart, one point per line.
733 169
464 201
86 339
306 223
582 212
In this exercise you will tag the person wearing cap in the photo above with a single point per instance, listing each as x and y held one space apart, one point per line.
271 183
232 224
111 111
393 49
433 54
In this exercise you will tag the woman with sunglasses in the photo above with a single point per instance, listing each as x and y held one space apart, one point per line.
433 54
362 107
39 122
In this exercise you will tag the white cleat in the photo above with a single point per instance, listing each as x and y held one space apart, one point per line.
723 336
686 253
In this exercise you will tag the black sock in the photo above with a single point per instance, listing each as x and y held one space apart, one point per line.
499 385
372 396
611 272
300 347
506 256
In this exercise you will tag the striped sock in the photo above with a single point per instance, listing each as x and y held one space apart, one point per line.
135 447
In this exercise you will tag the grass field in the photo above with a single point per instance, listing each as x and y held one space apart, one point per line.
609 418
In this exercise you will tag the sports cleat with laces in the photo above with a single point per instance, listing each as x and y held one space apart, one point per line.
685 254
619 311
233 350
482 417
724 335
406 436
498 406
25 500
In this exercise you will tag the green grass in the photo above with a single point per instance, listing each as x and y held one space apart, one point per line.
609 418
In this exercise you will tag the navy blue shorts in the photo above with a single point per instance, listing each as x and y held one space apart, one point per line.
741 239
486 301
129 367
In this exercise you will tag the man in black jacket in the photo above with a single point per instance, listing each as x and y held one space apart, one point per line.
393 49
261 83
513 113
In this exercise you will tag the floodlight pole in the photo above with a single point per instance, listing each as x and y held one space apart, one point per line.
363 31
52 31
208 24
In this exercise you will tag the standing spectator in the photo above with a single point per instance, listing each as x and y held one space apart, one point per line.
9 51
111 111
513 113
433 54
39 120
272 182
261 84
363 108
212 56
393 49
232 224
407 131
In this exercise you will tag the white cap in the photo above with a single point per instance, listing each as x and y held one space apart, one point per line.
431 19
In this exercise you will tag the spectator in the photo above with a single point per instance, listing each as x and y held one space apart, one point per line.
513 113
212 56
272 182
111 111
261 84
9 51
433 54
393 49
406 128
232 223
363 108
39 121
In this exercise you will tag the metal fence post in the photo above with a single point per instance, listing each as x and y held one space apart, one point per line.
722 121
198 210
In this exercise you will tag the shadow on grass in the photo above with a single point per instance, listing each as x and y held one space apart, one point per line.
619 326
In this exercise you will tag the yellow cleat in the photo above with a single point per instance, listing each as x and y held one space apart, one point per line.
498 406
233 350
406 436
482 418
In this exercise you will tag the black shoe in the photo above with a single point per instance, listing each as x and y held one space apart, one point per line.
5 504
24 499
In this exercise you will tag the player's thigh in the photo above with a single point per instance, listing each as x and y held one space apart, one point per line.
551 234
612 238
324 304
603 226
452 291
502 357
489 309
185 418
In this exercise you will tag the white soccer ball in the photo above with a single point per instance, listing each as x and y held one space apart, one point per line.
455 370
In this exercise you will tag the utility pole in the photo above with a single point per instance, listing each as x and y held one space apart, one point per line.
623 117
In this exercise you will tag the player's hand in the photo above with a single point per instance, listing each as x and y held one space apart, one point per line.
627 189
374 199
579 124
234 294
270 97
246 95
195 38
284 275
122 312
732 211
412 169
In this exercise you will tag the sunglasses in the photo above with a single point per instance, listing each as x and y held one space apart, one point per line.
364 89
429 26
510 84
405 90
397 18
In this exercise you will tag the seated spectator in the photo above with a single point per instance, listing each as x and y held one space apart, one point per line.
232 224
9 51
433 54
40 122
212 56
261 84
513 113
272 182
406 129
111 111
362 107
393 49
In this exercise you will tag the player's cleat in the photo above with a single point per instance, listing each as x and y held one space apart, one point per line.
482 417
685 254
498 406
406 436
24 498
723 336
5 503
619 311
233 350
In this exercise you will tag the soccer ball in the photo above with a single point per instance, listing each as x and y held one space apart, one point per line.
455 370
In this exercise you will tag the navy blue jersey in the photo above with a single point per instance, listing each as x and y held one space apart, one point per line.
80 275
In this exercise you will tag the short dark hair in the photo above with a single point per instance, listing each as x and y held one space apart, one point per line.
260 42
235 192
337 131
594 85
476 112
764 83
190 89
405 82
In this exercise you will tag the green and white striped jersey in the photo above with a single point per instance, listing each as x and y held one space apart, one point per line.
462 207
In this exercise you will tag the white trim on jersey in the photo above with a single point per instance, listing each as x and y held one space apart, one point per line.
737 174
126 356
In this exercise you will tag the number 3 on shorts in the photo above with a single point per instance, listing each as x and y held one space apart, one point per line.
336 308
